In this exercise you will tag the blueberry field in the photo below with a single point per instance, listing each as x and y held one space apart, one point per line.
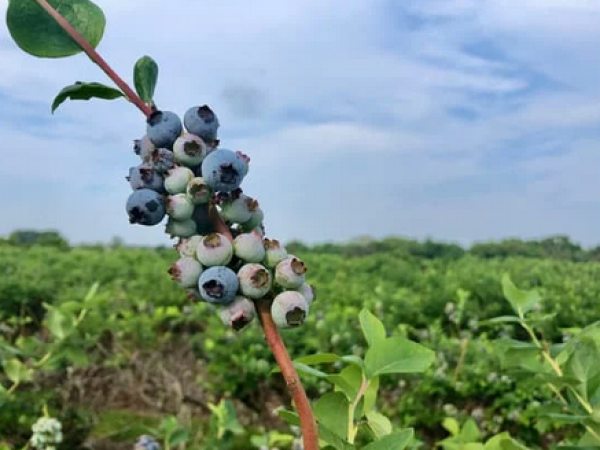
145 360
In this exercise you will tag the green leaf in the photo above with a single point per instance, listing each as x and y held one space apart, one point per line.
372 328
452 425
303 368
38 34
397 355
521 301
328 436
16 371
59 323
179 436
564 418
92 292
501 319
145 76
318 358
348 381
470 432
396 441
379 424
371 394
85 91
290 417
353 359
583 366
332 410
510 444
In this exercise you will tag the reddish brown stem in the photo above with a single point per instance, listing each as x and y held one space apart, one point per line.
95 57
308 424
218 222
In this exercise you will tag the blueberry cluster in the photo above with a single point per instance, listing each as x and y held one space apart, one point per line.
185 176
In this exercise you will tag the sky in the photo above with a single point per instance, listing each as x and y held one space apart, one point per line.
457 120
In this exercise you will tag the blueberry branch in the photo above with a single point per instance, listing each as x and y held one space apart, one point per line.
308 424
95 57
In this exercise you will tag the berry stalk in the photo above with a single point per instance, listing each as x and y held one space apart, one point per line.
308 424
95 57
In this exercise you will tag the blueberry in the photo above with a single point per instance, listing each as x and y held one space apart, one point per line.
223 171
202 121
189 150
214 249
161 160
186 271
180 228
239 208
218 284
249 247
255 280
146 442
179 207
145 207
289 309
274 252
198 191
145 177
238 314
290 273
177 179
163 128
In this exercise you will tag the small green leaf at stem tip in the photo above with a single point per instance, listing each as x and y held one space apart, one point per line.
145 76
86 91
38 34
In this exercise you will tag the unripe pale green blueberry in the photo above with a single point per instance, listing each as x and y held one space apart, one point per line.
180 228
199 191
214 249
249 247
188 246
290 273
179 207
238 314
274 252
255 280
177 179
186 272
189 150
255 220
239 210
289 309
309 292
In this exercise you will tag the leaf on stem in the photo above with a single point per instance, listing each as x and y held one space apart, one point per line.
38 34
145 76
85 91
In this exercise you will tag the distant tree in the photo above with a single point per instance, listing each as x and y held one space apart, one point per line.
28 238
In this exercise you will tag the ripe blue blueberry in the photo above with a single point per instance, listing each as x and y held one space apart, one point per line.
163 128
289 309
143 147
145 207
223 171
144 176
218 284
238 314
255 280
161 160
146 442
201 121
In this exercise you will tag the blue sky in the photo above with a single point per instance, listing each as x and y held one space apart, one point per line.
460 120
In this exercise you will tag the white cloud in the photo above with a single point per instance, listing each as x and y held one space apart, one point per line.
339 106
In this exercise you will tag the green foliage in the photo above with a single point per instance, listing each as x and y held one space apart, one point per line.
85 91
38 34
145 76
